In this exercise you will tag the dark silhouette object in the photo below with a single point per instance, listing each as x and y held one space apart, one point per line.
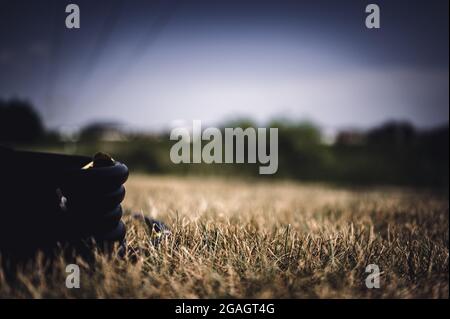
50 201
19 123
157 230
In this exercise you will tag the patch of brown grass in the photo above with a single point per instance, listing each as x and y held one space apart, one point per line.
242 239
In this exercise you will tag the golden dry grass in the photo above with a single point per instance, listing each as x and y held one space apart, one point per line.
246 239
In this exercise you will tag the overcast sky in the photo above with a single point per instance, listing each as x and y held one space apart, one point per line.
147 63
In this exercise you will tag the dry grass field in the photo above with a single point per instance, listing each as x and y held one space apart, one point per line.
245 239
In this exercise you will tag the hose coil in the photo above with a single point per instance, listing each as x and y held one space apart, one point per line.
48 200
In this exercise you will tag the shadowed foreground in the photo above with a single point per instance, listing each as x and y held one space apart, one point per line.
259 240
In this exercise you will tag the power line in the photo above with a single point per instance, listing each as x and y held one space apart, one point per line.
53 63
100 45
148 38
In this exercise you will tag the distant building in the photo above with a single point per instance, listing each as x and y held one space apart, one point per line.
103 131
350 138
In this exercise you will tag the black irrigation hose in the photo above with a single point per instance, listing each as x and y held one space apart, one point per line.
48 200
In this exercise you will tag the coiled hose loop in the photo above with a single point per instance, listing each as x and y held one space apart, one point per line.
48 200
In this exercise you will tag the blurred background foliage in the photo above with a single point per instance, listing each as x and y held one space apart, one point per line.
395 153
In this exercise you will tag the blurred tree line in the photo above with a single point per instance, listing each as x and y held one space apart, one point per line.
19 122
394 153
